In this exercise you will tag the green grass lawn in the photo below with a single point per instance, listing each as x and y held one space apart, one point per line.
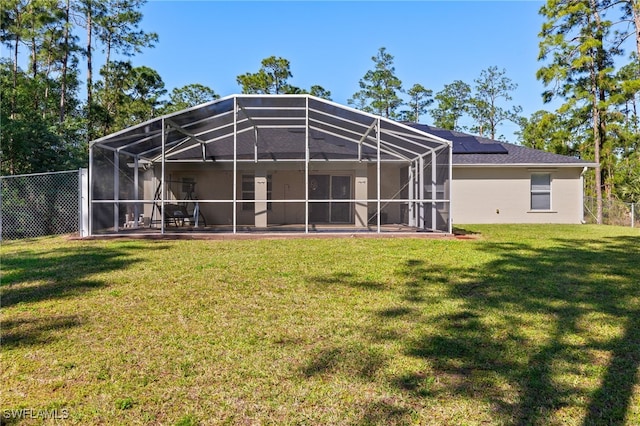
523 325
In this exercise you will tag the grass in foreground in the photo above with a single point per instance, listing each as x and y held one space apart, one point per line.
525 325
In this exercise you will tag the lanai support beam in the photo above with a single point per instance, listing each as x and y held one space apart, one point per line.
421 218
255 130
412 187
364 137
434 188
136 195
162 181
450 167
379 192
116 190
91 206
191 137
235 164
179 129
306 168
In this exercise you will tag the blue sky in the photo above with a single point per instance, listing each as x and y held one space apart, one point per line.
331 43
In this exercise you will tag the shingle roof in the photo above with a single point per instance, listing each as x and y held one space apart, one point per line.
513 155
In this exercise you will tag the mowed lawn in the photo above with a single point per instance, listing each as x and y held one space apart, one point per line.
521 325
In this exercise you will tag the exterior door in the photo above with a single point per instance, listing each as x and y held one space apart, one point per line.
319 189
340 190
330 188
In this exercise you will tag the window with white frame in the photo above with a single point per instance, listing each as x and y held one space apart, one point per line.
541 191
249 191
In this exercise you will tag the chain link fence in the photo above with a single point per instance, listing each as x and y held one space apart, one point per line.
40 204
614 212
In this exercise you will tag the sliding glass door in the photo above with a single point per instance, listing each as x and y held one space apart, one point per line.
330 188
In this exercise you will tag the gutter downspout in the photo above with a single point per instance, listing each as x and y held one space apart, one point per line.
450 224
584 170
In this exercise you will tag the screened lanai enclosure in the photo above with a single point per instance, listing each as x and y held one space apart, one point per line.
289 163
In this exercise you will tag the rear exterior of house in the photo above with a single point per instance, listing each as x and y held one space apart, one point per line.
498 182
266 194
519 194
270 162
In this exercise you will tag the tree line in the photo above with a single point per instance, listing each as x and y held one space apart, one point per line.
48 116
584 66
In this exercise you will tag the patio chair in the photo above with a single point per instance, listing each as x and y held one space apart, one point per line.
176 213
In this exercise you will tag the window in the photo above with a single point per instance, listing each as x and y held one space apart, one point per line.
541 191
249 191
188 187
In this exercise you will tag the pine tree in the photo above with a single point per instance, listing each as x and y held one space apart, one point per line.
452 104
419 99
271 78
493 87
379 88
578 67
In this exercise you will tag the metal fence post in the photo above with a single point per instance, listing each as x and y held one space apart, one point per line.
83 202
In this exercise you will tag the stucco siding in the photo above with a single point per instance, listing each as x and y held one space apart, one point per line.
389 189
503 195
287 185
212 184
217 184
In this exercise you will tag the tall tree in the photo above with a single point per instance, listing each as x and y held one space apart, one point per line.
492 88
629 21
548 131
189 96
66 52
146 91
43 115
379 88
452 104
41 17
419 99
578 67
320 92
53 53
628 97
118 29
136 96
627 132
628 175
271 78
30 141
14 31
315 90
91 10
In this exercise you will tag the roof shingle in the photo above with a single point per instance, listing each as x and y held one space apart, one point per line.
513 155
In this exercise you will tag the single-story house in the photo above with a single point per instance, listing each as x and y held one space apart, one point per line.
305 164
499 182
